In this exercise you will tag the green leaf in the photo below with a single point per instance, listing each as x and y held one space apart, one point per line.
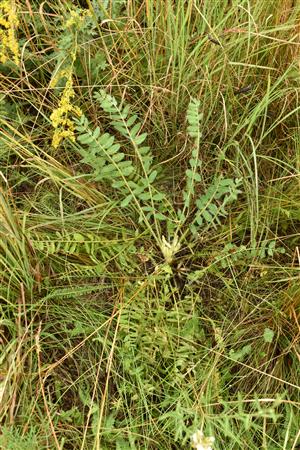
78 237
145 196
240 354
158 196
140 139
131 120
152 176
268 335
134 131
86 138
207 216
126 201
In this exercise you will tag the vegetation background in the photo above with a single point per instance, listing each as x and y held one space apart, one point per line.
149 203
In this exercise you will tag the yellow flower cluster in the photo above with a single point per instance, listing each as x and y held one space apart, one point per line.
62 124
77 18
8 24
60 117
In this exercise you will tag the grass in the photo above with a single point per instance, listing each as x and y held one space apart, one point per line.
122 327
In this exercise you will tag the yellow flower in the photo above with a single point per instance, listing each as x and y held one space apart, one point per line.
60 117
9 23
63 73
77 18
60 134
63 125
